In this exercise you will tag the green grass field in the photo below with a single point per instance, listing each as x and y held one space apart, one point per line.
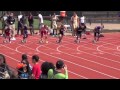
47 22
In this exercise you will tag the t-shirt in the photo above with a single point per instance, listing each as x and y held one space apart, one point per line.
10 20
74 19
40 18
4 18
82 19
57 75
36 71
19 17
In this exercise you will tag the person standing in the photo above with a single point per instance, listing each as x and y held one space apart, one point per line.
74 23
54 24
11 22
40 17
19 23
31 21
4 24
36 70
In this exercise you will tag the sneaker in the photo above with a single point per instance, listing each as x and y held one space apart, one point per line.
94 41
46 41
14 38
1 35
4 41
40 41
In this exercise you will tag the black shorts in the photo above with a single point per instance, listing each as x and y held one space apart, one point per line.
61 33
84 31
79 34
96 34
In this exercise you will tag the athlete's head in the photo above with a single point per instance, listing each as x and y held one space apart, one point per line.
98 27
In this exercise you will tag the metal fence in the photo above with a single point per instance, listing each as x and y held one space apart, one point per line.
92 14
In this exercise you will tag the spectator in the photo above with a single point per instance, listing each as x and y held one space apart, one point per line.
36 71
82 20
74 23
45 67
11 22
40 17
31 21
54 24
19 23
5 71
24 68
57 74
4 24
51 71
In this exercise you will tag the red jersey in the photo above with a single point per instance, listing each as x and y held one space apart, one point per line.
7 32
44 31
36 71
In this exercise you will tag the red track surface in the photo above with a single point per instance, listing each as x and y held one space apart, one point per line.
85 60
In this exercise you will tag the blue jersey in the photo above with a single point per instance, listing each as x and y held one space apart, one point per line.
97 29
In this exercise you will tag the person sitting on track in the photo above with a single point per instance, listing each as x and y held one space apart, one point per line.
44 34
7 34
25 33
79 31
61 33
96 33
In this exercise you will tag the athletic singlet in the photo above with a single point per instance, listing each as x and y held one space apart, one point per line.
61 30
54 19
74 19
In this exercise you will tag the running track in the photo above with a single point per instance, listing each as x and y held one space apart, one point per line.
84 61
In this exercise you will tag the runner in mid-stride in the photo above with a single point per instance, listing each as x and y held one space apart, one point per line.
96 31
79 31
61 33
44 34
8 33
25 33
